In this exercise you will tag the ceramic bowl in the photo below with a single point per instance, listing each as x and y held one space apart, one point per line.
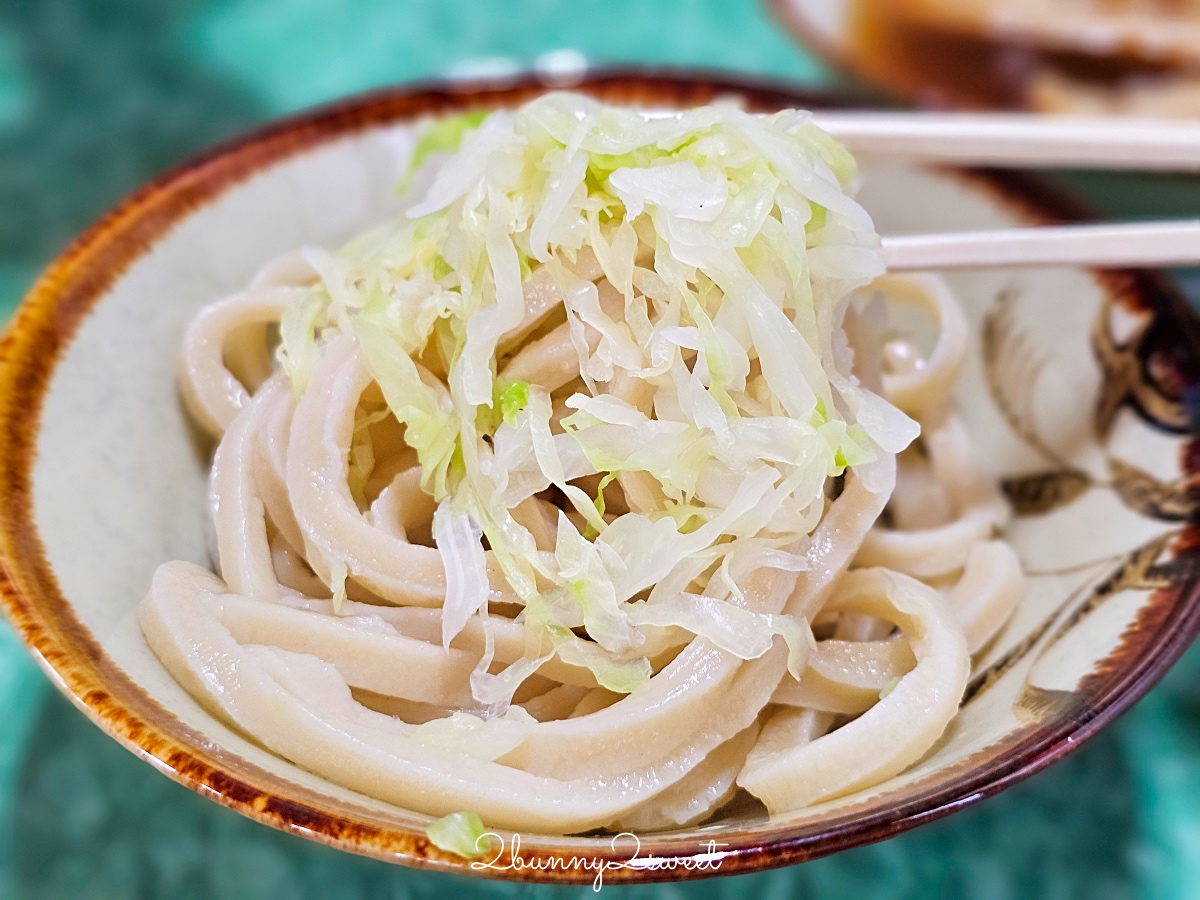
963 67
1074 390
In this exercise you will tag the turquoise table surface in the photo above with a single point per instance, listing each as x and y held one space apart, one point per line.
96 97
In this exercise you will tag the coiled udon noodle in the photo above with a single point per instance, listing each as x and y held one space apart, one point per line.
588 494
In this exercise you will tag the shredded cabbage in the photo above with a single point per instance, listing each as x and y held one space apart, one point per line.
458 538
513 400
701 260
462 833
443 136
486 739
745 634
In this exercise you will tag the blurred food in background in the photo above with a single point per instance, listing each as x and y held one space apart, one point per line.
1137 57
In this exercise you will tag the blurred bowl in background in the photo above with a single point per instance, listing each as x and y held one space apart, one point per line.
1051 56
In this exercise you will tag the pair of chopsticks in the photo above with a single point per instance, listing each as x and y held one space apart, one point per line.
1017 140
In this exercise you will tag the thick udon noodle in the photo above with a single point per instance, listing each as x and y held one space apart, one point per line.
904 579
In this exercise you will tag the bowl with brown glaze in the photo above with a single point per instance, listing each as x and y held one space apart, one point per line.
1037 55
1075 390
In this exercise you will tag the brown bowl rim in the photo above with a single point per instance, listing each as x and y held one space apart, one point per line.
64 294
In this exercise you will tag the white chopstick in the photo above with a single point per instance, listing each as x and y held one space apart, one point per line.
1099 246
1016 139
